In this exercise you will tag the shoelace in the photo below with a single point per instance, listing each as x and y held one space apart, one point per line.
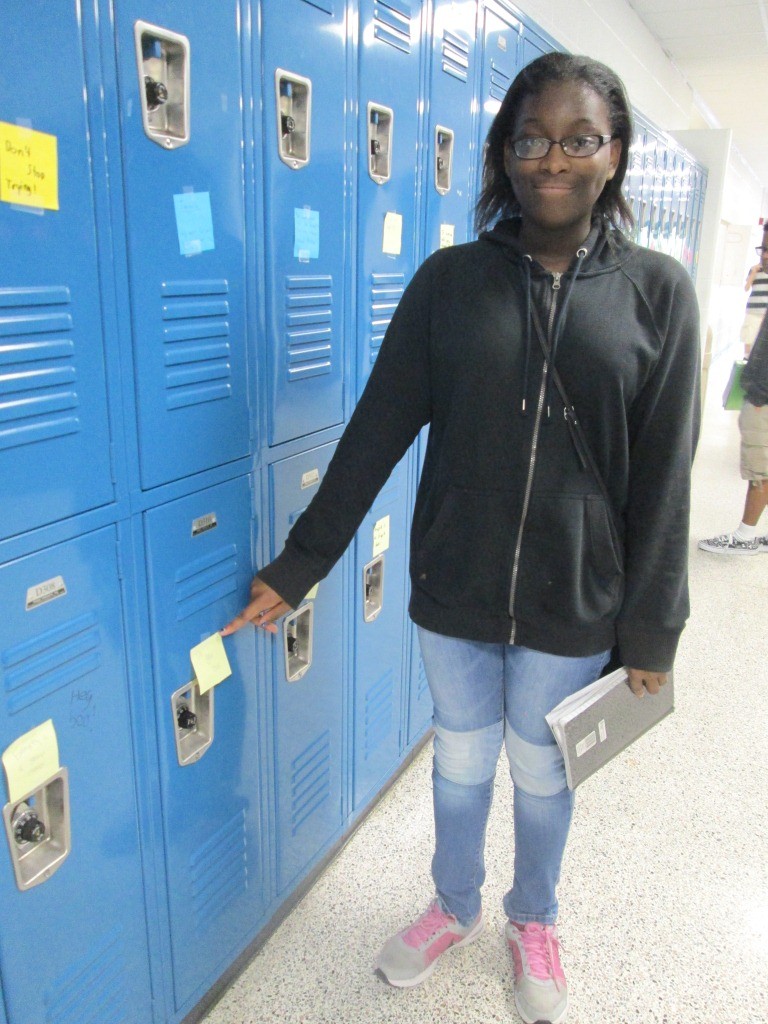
432 921
541 951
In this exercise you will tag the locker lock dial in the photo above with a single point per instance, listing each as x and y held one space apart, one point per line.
157 93
186 718
27 827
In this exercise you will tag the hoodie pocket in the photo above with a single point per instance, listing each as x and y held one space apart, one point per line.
571 567
463 560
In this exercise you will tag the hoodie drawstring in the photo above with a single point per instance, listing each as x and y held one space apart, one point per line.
527 265
581 255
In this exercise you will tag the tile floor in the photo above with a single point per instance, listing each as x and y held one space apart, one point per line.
664 894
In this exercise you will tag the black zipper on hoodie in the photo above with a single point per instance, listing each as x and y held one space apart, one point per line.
532 460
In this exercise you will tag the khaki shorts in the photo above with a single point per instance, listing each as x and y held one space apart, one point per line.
753 424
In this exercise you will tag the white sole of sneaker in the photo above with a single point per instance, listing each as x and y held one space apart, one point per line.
730 551
526 1015
412 982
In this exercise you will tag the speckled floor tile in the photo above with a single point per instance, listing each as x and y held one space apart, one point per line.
664 893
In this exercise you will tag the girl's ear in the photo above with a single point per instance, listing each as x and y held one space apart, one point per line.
613 162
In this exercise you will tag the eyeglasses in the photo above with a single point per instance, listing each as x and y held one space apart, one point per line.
529 148
760 249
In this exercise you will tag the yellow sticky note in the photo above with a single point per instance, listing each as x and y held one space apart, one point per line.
446 235
380 536
31 760
313 593
29 167
393 234
210 662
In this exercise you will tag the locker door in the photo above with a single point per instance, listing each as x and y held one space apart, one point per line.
380 623
449 182
534 43
388 140
74 946
303 63
53 401
181 97
199 566
308 678
500 40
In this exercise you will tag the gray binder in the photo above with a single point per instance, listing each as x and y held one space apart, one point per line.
595 724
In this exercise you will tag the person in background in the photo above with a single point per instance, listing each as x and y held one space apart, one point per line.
746 539
526 569
757 302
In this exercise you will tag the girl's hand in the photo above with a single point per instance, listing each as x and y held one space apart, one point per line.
264 608
640 681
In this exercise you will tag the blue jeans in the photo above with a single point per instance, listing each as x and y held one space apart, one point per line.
485 695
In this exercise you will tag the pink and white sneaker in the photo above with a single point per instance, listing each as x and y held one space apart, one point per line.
541 993
409 957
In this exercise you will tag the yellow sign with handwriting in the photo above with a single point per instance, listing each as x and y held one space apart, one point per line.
29 167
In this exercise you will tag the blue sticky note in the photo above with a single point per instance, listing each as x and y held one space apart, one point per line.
306 234
194 222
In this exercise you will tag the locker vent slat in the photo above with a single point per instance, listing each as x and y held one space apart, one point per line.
92 990
455 56
205 581
392 23
378 713
310 780
218 871
38 376
499 83
386 292
196 346
309 326
58 657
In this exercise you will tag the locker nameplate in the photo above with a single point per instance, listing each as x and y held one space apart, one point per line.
310 478
42 593
204 523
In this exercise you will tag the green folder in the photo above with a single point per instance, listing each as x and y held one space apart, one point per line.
733 396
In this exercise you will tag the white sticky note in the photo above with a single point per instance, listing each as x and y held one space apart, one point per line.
446 235
210 662
380 536
31 760
393 234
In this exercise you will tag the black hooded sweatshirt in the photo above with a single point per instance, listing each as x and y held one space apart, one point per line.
513 539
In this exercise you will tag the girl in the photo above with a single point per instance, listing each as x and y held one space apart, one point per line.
529 561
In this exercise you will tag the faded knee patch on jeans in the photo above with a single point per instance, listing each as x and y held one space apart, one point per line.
537 770
468 758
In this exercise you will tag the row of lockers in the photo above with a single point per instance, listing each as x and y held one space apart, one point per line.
211 212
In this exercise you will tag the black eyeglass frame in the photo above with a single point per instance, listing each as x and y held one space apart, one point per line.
603 140
760 249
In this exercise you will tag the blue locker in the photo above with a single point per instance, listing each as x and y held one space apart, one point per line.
199 562
303 62
534 43
181 110
74 946
499 33
448 184
308 689
389 158
379 614
53 396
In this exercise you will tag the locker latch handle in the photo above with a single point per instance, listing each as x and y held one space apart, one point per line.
381 122
193 722
297 641
373 588
443 159
163 64
293 94
37 827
